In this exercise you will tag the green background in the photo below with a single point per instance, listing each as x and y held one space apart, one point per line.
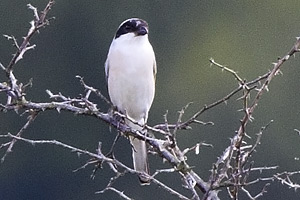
247 36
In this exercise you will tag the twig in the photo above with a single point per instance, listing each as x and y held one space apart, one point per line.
233 166
109 187
264 190
285 179
121 194
11 143
66 146
272 74
96 91
196 148
35 26
240 80
168 189
196 115
98 156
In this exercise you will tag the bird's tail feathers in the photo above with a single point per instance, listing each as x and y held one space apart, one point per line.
139 153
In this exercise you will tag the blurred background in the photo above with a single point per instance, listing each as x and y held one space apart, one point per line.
246 36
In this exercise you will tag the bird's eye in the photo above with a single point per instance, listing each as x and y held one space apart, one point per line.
124 29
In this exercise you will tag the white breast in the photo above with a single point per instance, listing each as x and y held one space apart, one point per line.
131 82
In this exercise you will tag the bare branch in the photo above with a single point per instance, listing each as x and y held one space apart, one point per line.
264 190
11 143
121 194
286 179
232 170
240 80
109 187
168 189
91 89
39 22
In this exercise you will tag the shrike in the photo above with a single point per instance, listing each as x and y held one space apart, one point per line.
130 70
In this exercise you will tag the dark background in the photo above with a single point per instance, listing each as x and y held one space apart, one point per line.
247 36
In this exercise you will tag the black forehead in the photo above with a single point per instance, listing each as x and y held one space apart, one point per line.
130 23
129 26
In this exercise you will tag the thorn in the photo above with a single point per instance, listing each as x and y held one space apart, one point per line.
297 131
49 92
197 149
58 109
267 88
2 66
8 37
78 76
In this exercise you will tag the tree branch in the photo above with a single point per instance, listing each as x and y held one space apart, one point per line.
232 169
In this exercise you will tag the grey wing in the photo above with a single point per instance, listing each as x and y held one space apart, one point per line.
154 69
106 70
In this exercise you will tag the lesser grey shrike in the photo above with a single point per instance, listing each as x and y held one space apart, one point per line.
130 70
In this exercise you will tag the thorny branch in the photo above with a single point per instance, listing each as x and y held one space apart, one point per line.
36 24
286 179
232 170
19 134
237 151
13 90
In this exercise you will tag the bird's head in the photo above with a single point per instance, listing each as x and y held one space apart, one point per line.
135 26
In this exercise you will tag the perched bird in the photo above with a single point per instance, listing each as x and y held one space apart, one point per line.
130 71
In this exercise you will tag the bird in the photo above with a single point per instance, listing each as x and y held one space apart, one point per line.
130 70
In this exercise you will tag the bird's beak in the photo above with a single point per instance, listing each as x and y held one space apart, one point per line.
141 31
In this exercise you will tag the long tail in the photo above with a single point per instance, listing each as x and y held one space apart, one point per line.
139 154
